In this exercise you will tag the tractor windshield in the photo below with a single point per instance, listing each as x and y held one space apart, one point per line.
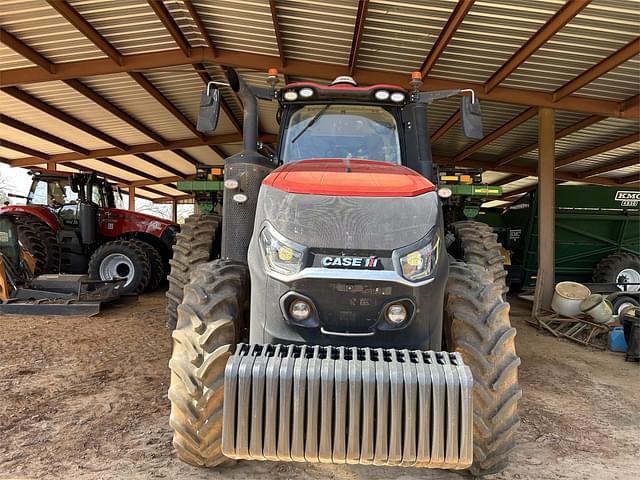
54 192
341 131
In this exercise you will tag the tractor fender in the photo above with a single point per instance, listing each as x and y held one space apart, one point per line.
115 222
42 213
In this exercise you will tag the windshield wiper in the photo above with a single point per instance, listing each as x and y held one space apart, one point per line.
308 126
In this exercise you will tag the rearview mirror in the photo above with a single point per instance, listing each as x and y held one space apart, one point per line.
471 117
209 110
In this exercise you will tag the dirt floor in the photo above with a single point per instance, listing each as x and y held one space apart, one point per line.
86 398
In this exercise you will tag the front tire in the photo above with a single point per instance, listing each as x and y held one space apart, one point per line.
121 259
477 325
38 239
210 319
198 242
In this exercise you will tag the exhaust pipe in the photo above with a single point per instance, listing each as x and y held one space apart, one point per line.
250 107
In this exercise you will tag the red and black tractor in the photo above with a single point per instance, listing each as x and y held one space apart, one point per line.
342 318
70 224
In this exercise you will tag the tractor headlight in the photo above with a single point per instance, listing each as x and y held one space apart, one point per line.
280 254
421 262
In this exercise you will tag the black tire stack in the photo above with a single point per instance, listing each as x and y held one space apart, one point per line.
38 239
198 242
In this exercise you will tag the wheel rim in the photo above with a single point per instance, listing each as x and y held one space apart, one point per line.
623 307
117 265
629 275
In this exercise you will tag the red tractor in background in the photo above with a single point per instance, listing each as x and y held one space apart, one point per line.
70 224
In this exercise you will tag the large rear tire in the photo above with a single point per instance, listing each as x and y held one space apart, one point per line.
476 244
156 265
39 240
121 258
477 325
620 267
210 319
198 242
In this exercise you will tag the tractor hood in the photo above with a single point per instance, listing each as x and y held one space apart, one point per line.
375 206
351 178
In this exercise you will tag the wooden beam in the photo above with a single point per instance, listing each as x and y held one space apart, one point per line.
36 132
218 151
26 51
548 30
629 162
157 94
132 199
62 116
206 78
185 156
358 30
457 16
584 123
278 34
170 24
79 22
157 163
140 148
444 128
201 28
508 179
631 106
95 97
504 129
304 68
612 61
575 157
108 176
24 149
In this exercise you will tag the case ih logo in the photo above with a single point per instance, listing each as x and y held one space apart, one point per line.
351 262
628 199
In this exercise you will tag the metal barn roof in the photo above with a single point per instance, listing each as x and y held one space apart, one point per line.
114 86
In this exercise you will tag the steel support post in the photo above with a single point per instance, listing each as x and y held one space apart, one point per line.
545 282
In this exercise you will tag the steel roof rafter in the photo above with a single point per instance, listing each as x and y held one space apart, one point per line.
170 24
612 61
27 52
82 25
23 149
444 128
634 159
584 123
123 165
62 116
358 31
278 34
185 156
305 68
157 163
201 28
548 30
457 16
508 179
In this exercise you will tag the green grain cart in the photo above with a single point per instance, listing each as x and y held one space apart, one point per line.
597 235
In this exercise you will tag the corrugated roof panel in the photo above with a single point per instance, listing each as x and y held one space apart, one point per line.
31 116
168 190
39 26
398 35
10 59
235 25
148 193
620 83
602 28
62 97
316 30
605 158
17 136
141 165
522 183
109 169
173 160
205 155
498 29
131 26
124 92
10 154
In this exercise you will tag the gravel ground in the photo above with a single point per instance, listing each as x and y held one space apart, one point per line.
86 398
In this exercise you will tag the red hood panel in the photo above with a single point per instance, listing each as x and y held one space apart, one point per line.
366 179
